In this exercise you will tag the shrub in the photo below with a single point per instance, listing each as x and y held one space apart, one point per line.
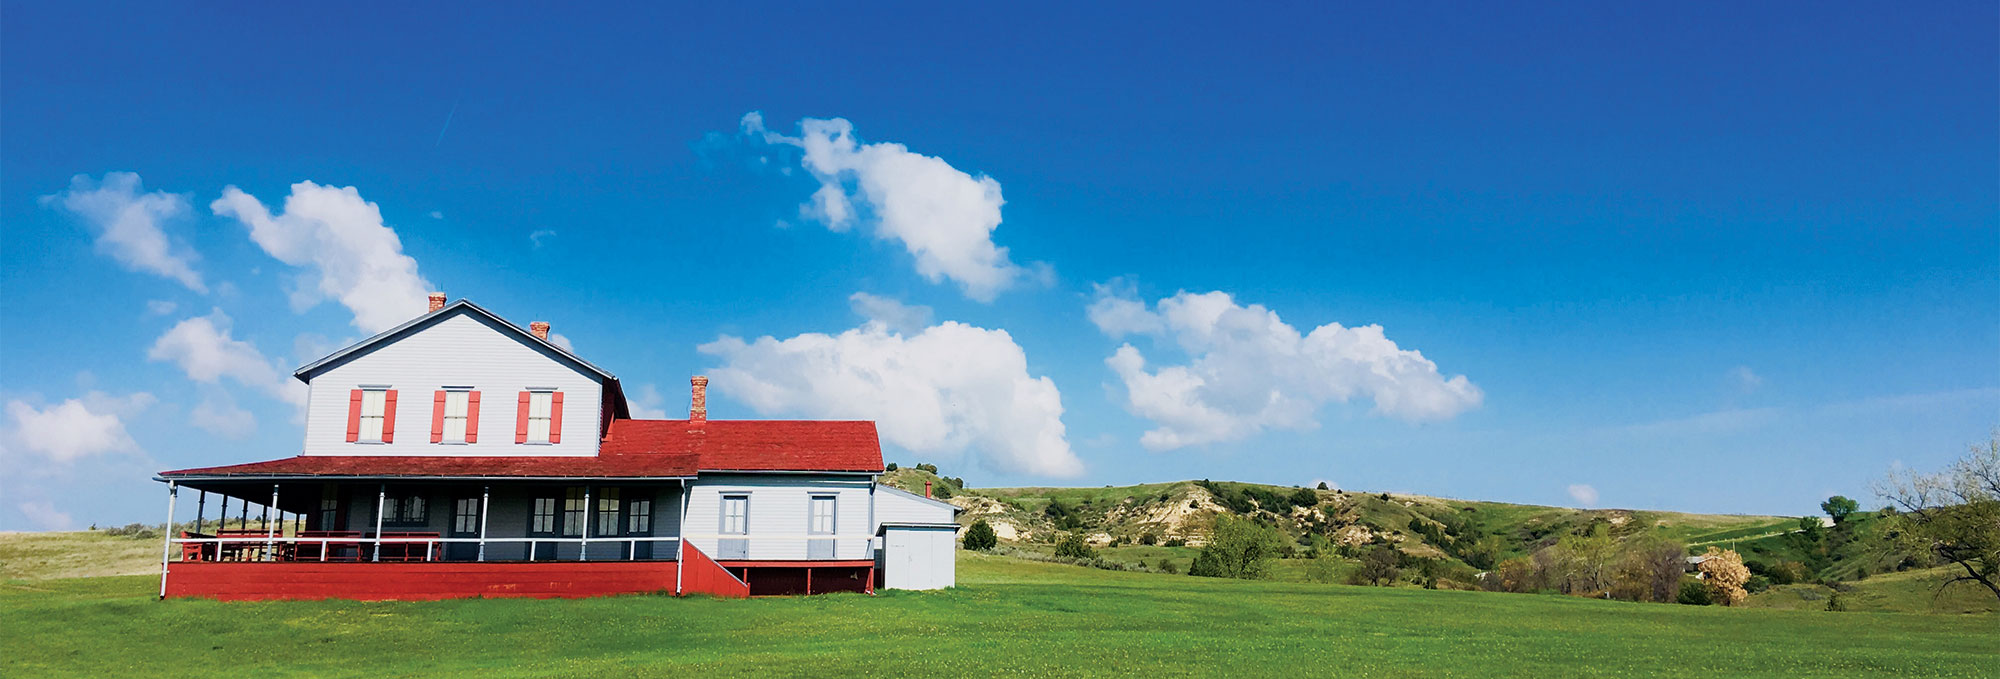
1166 566
927 467
1149 539
980 536
1379 567
1757 583
1834 602
889 467
1322 486
1240 549
1305 497
1724 572
1176 542
1693 593
1072 546
1323 568
1788 572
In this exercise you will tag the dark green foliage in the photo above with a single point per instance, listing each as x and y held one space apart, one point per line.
1322 486
1063 515
926 467
1149 539
1072 546
1839 507
1247 499
1694 592
1305 497
1380 566
889 467
1176 542
1240 549
980 536
1166 566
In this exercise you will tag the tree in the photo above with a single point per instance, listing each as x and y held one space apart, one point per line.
1380 566
1838 507
1322 485
1149 539
1954 515
1725 574
1073 546
980 536
1240 548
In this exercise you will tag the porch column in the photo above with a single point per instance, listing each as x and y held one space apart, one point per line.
381 499
243 522
680 539
200 503
589 516
485 493
270 534
221 522
167 541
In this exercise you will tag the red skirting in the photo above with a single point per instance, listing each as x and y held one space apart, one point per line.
418 581
706 577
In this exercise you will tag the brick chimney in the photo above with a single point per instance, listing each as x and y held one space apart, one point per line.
927 488
437 301
698 401
540 328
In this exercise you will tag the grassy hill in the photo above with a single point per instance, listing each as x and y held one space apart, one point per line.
1008 616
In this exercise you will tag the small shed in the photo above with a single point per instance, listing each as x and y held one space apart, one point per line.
918 555
918 549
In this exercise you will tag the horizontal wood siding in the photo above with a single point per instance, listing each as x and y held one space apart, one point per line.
416 581
894 507
779 514
464 350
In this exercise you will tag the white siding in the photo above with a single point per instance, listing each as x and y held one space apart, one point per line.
462 350
779 512
895 506
918 558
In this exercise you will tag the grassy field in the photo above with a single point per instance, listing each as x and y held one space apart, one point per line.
1008 617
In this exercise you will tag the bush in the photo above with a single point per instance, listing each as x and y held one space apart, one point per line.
980 536
1176 542
1694 592
927 468
1323 568
1757 583
1322 485
1381 566
1148 539
1305 497
1240 549
1072 546
1166 566
889 467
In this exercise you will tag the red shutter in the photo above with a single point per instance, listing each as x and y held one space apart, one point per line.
437 417
389 417
555 418
521 420
354 416
472 417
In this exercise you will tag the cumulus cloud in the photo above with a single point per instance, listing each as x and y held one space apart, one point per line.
343 249
128 224
1248 370
75 428
951 389
890 312
44 515
205 351
222 418
1583 494
647 404
561 340
539 235
943 216
1745 379
161 307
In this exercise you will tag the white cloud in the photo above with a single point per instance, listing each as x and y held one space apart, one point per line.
951 389
224 419
437 215
539 235
1117 311
1249 370
203 349
560 340
344 250
128 224
1745 379
890 312
45 516
1583 494
75 428
647 404
161 307
944 217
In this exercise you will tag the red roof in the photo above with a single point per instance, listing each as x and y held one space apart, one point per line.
632 448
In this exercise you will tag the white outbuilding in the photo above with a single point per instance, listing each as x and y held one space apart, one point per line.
918 550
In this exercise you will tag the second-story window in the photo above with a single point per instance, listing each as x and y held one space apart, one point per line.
540 417
371 417
455 416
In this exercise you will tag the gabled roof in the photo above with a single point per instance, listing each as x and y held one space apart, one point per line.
427 319
632 449
955 509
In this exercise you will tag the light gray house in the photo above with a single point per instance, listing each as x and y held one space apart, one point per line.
461 455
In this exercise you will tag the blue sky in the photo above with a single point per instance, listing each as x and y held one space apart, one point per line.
1713 258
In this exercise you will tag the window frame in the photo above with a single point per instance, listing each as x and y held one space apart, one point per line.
639 516
609 510
380 396
406 509
832 501
547 398
464 417
537 516
575 512
723 515
465 522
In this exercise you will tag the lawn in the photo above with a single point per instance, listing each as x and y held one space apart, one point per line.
1007 617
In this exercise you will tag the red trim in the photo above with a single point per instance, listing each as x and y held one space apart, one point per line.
389 417
521 420
555 418
794 564
354 416
231 581
437 417
472 417
703 575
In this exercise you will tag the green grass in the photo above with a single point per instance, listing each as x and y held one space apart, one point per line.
75 554
1007 617
1915 590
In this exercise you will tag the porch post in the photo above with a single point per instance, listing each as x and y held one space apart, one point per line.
167 540
200 503
680 539
243 522
485 492
589 516
381 499
221 522
270 535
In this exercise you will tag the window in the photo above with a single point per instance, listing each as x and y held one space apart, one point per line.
465 516
454 415
735 514
543 520
329 510
822 515
405 509
539 414
573 508
372 414
639 517
607 511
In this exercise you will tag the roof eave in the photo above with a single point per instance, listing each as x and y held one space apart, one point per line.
303 374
